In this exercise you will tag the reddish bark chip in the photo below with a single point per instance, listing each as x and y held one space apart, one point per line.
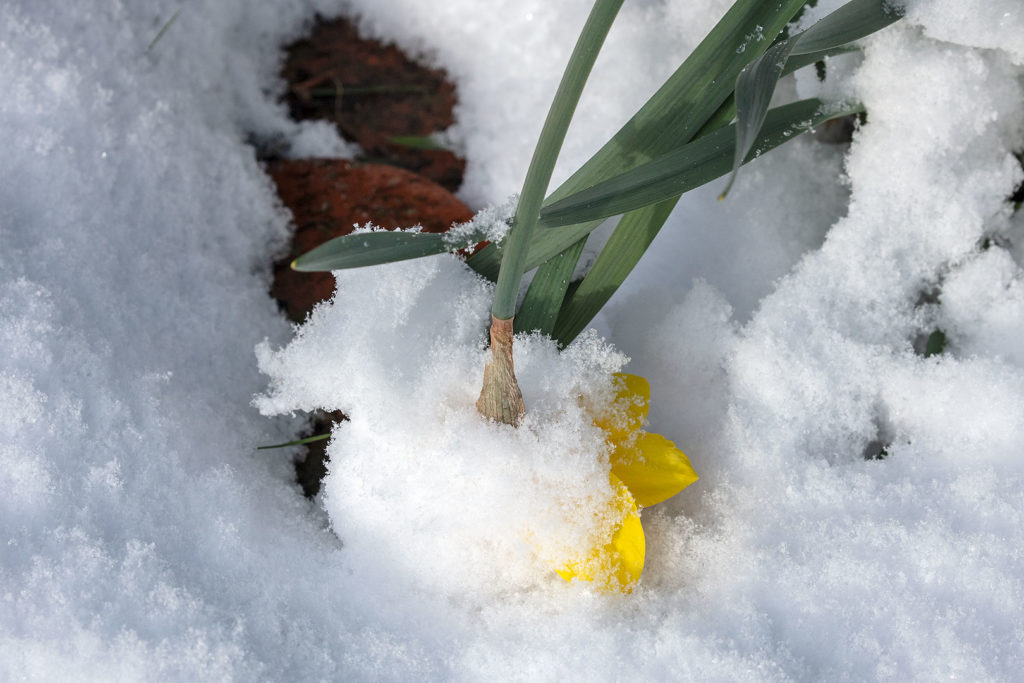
327 197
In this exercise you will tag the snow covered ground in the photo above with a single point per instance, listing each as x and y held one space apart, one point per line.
142 537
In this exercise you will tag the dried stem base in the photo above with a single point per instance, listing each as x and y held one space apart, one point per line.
500 398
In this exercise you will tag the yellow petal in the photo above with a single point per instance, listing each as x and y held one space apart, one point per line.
617 565
652 468
632 401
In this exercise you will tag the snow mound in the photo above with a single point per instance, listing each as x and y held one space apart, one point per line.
422 490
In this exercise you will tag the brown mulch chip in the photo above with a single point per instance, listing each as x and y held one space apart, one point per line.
328 197
373 92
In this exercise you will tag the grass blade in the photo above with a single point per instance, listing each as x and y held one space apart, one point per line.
688 167
372 249
420 142
163 30
300 442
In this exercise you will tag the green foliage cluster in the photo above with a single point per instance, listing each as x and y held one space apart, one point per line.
711 116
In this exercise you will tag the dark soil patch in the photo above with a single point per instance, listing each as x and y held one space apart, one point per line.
328 197
373 94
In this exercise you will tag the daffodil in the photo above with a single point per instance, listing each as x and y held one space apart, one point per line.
646 469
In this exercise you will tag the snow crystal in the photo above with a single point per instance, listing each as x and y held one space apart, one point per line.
489 224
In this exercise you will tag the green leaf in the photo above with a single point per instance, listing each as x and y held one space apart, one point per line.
373 248
851 22
727 111
163 30
544 298
666 178
631 238
517 242
638 227
754 88
544 245
420 142
690 166
756 83
300 442
689 99
691 95
799 61
676 112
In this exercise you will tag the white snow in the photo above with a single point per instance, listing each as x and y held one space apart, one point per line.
143 538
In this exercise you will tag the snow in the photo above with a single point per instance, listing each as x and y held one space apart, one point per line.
457 483
488 224
143 538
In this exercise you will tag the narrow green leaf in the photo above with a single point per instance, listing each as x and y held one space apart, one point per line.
756 83
721 117
691 95
384 89
548 243
727 111
693 165
340 90
852 21
163 30
799 61
373 248
687 101
517 243
689 98
544 245
754 88
544 298
487 261
631 238
420 142
638 228
671 103
300 442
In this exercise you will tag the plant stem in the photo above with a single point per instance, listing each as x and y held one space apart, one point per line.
500 398
548 146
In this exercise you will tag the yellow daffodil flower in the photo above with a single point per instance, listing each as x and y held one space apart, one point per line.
646 469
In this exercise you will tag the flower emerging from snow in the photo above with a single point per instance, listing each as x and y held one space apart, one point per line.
646 469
